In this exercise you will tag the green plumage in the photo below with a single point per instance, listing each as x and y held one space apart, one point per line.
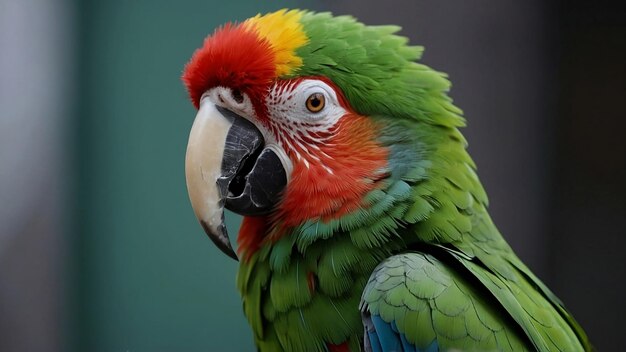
429 301
423 252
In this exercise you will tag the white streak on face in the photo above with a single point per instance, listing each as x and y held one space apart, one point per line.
305 130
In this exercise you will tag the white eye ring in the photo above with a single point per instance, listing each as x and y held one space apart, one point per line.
316 100
309 101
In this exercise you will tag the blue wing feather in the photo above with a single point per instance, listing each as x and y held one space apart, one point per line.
385 337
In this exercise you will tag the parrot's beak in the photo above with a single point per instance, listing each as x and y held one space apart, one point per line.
228 165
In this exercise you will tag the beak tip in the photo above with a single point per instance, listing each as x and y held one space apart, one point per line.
220 238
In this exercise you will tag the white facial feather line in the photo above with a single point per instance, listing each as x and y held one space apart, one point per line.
288 114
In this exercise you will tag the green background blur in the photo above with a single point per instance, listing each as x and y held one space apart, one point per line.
149 280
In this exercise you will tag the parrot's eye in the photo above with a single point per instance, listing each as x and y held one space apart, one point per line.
307 100
315 102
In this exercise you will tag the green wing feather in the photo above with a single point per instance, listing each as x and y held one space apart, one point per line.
431 302
447 209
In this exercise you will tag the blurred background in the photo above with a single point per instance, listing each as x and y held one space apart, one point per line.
99 247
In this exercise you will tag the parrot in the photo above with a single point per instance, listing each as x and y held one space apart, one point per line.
365 226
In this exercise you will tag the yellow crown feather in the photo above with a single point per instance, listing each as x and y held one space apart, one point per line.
283 30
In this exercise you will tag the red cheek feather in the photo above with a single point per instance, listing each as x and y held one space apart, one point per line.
251 234
356 161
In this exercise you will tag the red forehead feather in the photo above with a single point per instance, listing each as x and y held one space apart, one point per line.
234 56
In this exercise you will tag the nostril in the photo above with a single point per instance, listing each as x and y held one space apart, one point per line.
237 96
219 96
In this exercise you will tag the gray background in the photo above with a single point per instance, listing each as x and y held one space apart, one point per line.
99 249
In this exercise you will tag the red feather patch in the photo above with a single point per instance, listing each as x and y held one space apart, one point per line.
356 161
251 235
234 56
342 347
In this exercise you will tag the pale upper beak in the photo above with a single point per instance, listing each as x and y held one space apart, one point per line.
228 165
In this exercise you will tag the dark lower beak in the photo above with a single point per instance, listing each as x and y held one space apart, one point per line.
227 165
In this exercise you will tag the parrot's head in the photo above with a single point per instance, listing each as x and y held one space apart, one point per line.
301 116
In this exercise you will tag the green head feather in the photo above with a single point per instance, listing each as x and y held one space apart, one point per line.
376 69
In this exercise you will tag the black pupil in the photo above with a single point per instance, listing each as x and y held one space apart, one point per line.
316 101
